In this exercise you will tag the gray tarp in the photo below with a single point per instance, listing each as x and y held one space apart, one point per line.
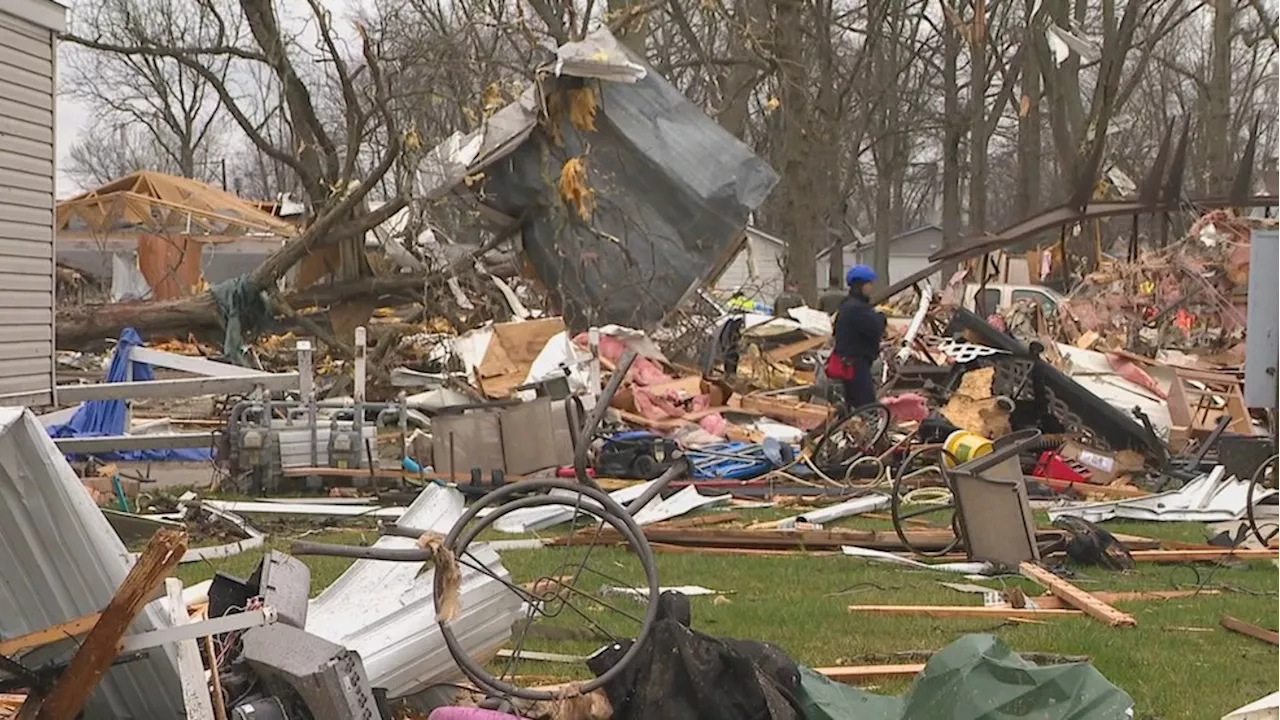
975 678
673 191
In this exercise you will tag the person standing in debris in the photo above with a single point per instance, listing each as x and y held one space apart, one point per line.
790 298
831 299
859 331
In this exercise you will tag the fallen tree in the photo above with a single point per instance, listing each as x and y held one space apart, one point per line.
327 169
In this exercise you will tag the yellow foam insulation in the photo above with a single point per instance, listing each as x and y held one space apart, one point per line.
582 108
574 189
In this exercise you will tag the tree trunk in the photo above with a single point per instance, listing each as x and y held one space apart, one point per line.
1029 142
951 137
798 217
978 120
1218 114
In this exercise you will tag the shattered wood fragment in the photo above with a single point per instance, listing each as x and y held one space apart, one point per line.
1076 597
101 646
1253 631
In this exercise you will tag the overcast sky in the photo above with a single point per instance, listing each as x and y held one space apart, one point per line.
73 118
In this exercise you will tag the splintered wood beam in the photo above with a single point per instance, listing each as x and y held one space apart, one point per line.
961 611
1076 597
101 645
1206 555
1250 629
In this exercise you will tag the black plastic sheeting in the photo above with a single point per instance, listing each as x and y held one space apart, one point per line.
682 674
673 192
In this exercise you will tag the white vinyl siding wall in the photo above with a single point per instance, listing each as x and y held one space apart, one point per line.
27 70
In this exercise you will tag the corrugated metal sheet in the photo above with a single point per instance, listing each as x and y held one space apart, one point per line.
385 611
59 560
26 208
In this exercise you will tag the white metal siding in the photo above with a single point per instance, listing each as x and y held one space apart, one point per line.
756 269
26 211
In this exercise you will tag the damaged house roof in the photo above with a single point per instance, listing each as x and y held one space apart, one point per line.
630 193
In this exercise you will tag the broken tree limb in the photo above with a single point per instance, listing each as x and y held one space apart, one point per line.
101 646
1076 597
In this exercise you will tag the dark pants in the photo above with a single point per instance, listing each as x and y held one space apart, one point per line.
861 390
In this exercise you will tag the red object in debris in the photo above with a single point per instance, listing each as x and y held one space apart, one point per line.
568 472
1053 466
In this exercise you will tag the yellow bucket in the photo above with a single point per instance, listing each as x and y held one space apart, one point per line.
965 446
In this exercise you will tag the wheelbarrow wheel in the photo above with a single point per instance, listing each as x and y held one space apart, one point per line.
1264 478
850 436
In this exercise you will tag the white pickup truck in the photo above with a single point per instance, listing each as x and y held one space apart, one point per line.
997 296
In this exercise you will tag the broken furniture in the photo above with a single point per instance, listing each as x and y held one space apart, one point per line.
513 438
991 503
1198 399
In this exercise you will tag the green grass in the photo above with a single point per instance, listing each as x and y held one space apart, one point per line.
1177 663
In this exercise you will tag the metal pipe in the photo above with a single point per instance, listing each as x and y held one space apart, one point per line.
597 414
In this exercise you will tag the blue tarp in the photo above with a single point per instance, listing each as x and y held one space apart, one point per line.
100 418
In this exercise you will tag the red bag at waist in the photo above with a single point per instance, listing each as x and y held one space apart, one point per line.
838 368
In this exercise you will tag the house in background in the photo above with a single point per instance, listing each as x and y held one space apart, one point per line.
28 67
908 253
158 236
756 268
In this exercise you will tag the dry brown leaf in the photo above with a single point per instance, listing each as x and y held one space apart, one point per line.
574 189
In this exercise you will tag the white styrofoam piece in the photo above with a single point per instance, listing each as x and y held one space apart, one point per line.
59 560
385 611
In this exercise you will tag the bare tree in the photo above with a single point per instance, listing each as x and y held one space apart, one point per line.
332 163
136 94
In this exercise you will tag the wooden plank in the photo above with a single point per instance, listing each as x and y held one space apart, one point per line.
70 628
1253 631
802 415
1053 602
854 674
1182 556
195 690
1122 492
787 352
942 611
101 645
1075 596
215 680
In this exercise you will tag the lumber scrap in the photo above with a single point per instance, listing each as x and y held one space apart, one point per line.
775 539
54 633
1183 556
1253 631
854 674
942 611
101 645
1053 601
793 412
1078 598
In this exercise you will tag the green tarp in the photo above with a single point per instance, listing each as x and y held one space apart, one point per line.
975 678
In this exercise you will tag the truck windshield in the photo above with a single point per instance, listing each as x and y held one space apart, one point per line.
1046 303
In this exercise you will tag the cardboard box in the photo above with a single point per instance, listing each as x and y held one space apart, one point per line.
1105 466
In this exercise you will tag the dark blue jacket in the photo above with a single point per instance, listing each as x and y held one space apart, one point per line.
859 330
